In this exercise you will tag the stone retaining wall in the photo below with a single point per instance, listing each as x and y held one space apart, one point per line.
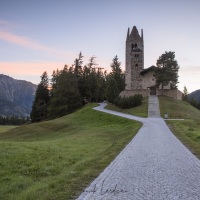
175 94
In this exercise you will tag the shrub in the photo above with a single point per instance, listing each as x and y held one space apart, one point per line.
129 102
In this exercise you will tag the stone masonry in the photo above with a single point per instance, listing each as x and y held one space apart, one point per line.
134 59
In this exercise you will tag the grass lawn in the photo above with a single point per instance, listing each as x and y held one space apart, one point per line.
188 131
6 128
141 110
57 159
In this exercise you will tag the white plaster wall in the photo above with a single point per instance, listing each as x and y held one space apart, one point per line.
149 81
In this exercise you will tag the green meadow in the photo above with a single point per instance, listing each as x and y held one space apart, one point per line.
57 159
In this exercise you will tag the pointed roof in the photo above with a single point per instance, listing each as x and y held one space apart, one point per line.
134 31
128 33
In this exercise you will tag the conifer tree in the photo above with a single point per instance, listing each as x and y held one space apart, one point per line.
111 89
78 65
65 94
92 82
117 74
41 101
185 94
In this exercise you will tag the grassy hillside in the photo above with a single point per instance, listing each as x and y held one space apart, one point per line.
57 159
6 128
141 110
188 131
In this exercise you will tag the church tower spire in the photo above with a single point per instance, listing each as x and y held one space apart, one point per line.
142 33
134 59
128 33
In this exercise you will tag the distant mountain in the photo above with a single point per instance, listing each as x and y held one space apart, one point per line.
16 96
195 95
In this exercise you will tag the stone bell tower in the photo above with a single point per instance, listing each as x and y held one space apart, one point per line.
134 59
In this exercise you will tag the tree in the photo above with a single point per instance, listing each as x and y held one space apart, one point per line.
65 94
167 70
111 89
117 74
78 65
91 83
41 101
185 94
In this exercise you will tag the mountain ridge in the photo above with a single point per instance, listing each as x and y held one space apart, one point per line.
16 96
195 94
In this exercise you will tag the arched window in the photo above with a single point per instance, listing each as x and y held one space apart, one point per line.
136 66
135 45
132 46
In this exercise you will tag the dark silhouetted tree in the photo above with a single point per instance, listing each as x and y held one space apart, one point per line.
41 101
78 65
185 94
65 94
111 89
117 74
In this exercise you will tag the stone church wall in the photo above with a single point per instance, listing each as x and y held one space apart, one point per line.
175 94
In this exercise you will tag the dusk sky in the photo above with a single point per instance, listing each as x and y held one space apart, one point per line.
43 35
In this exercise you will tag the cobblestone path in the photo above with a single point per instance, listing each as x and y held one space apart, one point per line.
153 106
153 166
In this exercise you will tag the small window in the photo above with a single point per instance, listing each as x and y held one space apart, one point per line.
136 57
135 45
136 66
132 46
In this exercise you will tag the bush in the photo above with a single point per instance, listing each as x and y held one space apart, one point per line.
129 102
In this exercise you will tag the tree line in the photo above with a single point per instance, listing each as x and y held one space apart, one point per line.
13 120
73 86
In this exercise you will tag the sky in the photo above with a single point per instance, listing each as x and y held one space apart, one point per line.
43 35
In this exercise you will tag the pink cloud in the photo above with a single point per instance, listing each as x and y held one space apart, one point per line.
22 41
32 44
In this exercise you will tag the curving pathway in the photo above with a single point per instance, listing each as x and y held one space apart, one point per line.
153 166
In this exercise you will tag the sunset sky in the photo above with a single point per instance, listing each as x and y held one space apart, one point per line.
43 35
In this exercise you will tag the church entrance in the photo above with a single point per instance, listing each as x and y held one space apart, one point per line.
152 90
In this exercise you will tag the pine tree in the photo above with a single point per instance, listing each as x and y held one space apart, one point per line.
111 89
41 101
185 94
167 70
92 82
117 74
65 94
78 65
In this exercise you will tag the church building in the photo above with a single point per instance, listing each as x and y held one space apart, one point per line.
140 80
